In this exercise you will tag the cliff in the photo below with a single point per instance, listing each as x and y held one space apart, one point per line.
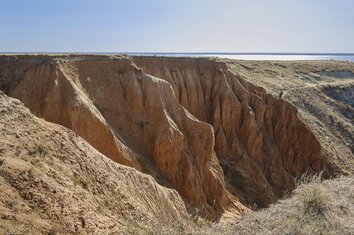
193 124
261 143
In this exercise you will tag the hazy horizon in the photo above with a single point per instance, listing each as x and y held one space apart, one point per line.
171 26
170 52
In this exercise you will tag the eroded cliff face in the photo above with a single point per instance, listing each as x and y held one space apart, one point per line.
191 123
54 94
261 143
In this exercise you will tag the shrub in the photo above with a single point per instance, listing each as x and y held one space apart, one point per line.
314 199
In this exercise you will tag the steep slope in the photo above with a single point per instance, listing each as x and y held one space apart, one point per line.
44 88
129 110
322 91
54 182
328 111
188 122
260 142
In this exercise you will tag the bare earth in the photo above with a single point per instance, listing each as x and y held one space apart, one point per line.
134 145
52 181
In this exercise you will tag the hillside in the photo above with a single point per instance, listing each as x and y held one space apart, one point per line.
131 143
315 207
323 92
54 182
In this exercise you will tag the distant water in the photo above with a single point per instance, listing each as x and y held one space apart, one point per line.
239 56
257 56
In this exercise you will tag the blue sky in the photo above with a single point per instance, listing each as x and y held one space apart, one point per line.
177 25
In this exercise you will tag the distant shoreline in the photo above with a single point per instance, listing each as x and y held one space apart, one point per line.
184 53
272 56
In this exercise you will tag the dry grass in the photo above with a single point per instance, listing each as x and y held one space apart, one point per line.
314 199
314 208
53 182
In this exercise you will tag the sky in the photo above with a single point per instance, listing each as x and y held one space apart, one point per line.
311 26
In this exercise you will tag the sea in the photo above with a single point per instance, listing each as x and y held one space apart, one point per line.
238 56
259 56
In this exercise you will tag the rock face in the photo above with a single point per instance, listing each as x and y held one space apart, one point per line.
261 143
55 94
187 122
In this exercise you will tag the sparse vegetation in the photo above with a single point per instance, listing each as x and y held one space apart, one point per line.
312 216
32 172
78 180
42 184
314 208
39 149
110 204
314 199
